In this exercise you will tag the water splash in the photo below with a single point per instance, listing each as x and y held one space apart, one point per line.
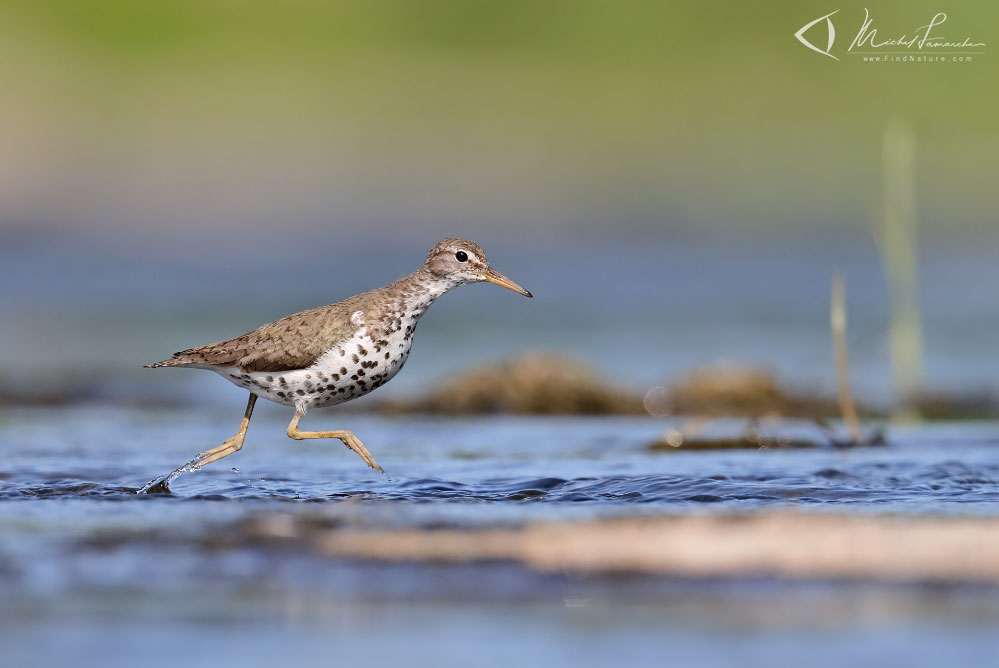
161 485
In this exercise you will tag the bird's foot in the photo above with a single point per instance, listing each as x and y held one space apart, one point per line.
161 485
354 443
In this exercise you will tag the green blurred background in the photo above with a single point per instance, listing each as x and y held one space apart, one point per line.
224 119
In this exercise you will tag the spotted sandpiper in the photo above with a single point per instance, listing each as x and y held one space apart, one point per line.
332 354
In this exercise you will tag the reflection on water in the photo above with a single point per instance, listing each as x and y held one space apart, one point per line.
91 569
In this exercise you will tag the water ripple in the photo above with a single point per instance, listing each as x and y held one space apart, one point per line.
952 483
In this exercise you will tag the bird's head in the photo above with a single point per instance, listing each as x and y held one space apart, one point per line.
462 261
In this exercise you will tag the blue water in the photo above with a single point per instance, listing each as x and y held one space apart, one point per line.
94 574
105 453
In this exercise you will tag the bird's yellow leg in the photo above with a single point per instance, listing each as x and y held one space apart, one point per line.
347 437
230 445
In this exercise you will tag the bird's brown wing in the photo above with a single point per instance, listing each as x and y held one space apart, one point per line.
293 342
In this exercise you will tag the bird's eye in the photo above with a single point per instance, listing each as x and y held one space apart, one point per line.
461 256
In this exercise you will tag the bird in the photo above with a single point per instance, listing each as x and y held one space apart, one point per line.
331 354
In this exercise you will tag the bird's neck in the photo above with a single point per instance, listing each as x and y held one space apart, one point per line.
421 288
431 285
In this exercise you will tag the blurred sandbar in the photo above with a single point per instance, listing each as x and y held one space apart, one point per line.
777 544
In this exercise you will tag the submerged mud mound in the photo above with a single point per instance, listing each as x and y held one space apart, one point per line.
536 383
735 391
549 383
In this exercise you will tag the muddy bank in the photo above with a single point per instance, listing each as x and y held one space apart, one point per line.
543 383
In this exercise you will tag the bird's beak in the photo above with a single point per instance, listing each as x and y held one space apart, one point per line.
494 276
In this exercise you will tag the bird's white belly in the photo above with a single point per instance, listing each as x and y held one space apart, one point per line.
351 369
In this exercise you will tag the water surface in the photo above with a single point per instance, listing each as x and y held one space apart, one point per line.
91 569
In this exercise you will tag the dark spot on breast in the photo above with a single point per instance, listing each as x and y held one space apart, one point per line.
282 380
270 379
355 358
281 394
308 376
388 355
336 376
300 393
354 377
343 371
